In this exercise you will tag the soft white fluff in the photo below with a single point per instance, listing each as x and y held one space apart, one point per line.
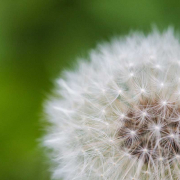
132 78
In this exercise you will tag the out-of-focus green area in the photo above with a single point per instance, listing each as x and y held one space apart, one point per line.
38 39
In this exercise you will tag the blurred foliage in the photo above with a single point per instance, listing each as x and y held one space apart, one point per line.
38 39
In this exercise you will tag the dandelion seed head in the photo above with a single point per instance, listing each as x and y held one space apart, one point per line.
117 116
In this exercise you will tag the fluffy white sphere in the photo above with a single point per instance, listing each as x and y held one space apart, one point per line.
117 117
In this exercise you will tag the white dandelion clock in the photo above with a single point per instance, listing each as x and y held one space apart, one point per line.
117 117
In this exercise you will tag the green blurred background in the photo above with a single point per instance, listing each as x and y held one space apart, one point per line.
39 39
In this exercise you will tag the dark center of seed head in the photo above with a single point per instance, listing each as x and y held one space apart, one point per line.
151 132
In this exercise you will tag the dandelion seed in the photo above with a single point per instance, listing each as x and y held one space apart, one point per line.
122 116
157 128
103 111
172 136
142 90
162 84
158 66
119 91
107 124
164 103
147 172
145 150
132 133
131 64
161 159
144 114
131 74
103 90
